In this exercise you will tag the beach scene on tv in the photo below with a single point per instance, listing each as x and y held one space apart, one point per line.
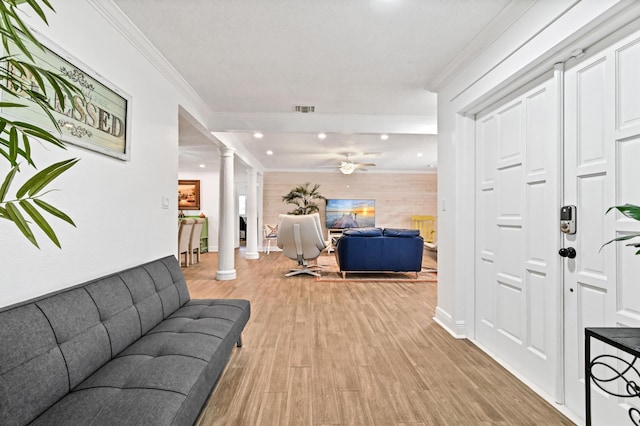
342 214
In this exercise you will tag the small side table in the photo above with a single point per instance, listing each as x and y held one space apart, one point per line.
332 235
626 340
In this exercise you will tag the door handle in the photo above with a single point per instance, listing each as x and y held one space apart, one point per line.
569 252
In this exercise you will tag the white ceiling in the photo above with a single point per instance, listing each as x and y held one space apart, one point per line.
366 65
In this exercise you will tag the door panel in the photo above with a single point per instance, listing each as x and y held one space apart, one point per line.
602 149
517 287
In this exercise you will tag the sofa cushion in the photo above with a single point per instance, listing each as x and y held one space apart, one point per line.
363 232
113 406
165 288
117 312
81 336
397 232
174 373
145 298
178 278
33 374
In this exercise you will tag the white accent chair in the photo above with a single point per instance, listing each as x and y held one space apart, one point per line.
184 238
300 238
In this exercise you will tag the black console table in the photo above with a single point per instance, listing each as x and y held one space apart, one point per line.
626 340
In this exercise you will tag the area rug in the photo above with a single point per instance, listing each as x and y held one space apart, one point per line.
330 272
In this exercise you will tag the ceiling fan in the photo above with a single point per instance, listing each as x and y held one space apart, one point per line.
347 167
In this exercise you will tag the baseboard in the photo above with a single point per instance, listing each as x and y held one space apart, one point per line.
444 320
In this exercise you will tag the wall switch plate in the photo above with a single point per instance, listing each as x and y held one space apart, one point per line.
165 202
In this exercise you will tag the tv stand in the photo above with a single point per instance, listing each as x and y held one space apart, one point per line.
331 234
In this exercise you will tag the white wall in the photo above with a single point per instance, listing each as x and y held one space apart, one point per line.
545 34
398 196
116 205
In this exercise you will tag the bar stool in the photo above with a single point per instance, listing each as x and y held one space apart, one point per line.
184 238
194 242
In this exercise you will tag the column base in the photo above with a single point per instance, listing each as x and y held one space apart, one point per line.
226 275
252 255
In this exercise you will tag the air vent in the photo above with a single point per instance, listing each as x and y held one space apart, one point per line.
305 109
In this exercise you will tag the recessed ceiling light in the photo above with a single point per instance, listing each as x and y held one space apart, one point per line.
384 137
420 154
202 165
322 135
258 135
269 152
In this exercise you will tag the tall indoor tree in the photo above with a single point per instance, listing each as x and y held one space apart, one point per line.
24 84
304 198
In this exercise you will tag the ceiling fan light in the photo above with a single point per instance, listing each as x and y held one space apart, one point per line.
347 168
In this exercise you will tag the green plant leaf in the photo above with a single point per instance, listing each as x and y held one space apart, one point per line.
52 210
26 33
12 105
13 145
30 129
5 154
629 210
40 221
15 137
623 238
17 218
36 7
7 183
27 150
44 177
36 75
13 34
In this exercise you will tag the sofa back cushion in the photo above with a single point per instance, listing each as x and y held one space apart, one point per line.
117 311
363 232
402 233
33 374
165 287
80 334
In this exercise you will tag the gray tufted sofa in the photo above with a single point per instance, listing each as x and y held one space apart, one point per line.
126 349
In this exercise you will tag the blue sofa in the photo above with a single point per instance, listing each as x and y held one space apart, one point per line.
130 348
378 250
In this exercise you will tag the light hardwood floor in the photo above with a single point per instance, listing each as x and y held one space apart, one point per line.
352 353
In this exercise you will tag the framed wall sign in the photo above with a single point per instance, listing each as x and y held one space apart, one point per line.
188 195
99 121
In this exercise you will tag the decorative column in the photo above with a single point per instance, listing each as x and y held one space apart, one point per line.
252 216
226 250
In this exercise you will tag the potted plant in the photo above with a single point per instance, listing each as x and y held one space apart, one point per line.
304 199
26 85
633 212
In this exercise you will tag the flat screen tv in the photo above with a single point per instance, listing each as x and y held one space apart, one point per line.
341 214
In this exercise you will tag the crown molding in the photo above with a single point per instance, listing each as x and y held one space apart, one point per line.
116 17
498 25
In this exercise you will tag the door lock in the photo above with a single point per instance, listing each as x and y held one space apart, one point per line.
568 219
569 252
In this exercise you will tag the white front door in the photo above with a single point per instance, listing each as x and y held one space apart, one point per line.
518 292
532 306
602 169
